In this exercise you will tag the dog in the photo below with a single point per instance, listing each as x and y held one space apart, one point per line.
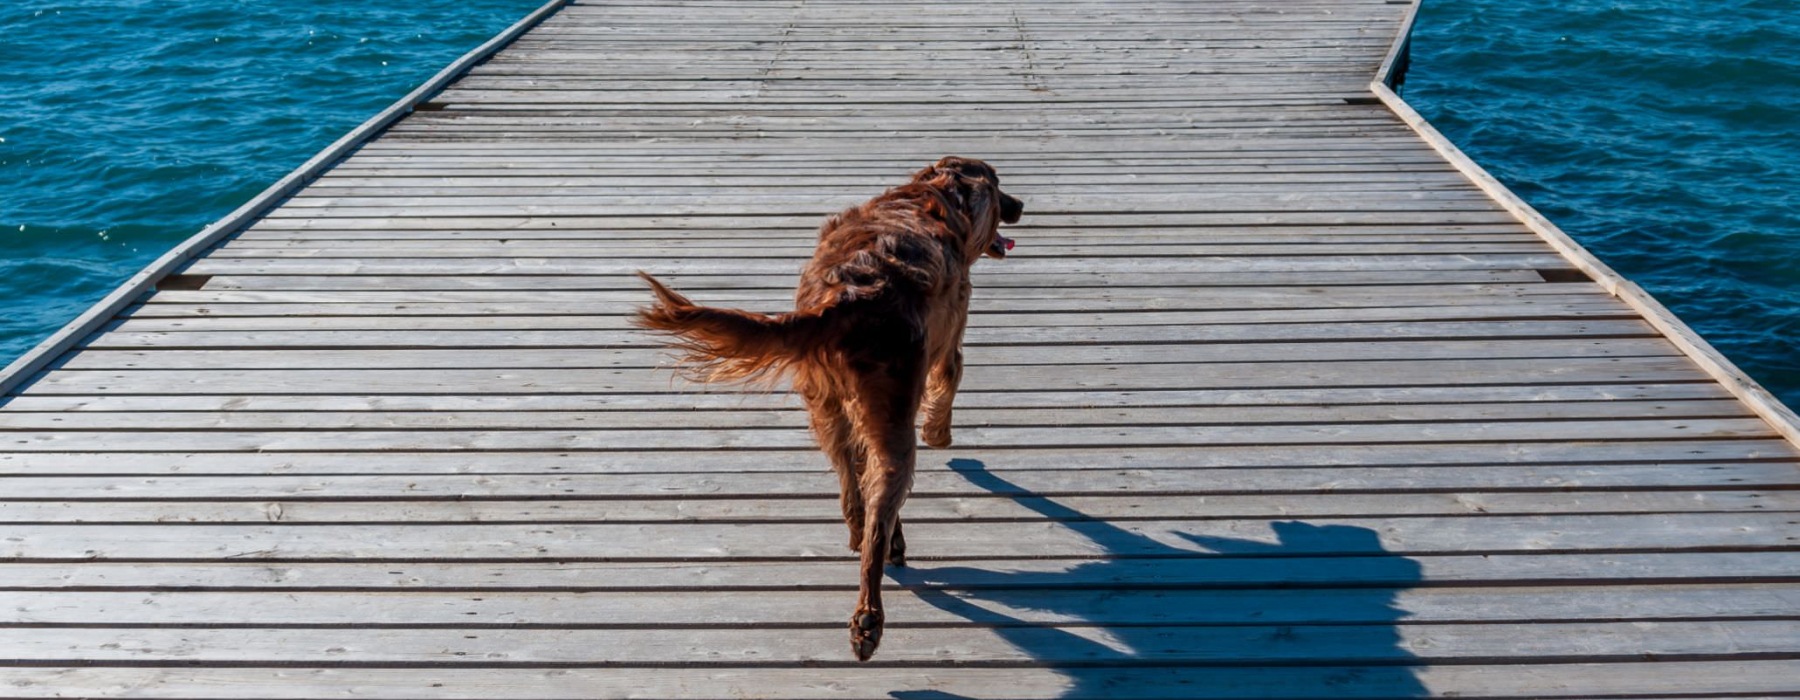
876 334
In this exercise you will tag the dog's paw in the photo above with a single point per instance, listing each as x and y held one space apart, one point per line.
936 437
865 633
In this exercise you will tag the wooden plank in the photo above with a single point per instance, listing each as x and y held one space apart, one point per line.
910 609
987 282
444 178
1748 463
999 300
751 438
1566 571
1148 377
987 297
1394 264
407 477
801 250
796 419
1171 645
975 357
977 336
733 400
373 188
736 401
1641 679
821 507
697 235
926 541
1624 678
814 213
616 319
902 155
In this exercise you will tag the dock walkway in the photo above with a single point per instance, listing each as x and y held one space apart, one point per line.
1278 396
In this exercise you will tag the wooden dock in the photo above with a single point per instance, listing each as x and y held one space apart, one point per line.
1279 395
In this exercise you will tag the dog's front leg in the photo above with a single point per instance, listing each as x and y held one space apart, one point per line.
940 393
944 376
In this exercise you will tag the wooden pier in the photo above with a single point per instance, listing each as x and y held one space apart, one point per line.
1279 396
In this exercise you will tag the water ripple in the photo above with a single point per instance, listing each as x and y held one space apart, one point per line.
1659 133
131 124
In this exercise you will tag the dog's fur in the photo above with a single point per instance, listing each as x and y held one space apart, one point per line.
876 332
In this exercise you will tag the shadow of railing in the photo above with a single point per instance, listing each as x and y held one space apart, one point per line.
1216 628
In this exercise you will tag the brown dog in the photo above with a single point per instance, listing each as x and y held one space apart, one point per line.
876 331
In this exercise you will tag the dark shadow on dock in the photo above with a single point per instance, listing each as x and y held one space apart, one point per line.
1341 642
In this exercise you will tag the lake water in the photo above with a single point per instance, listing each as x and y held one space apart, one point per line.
126 126
1664 135
1660 133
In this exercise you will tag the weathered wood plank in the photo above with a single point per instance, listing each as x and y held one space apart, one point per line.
738 401
408 478
1635 679
1746 462
616 318
978 356
986 298
821 507
785 282
1165 644
926 541
1564 570
750 437
803 249
13 420
1099 377
814 214
976 336
1124 306
731 400
1396 265
909 609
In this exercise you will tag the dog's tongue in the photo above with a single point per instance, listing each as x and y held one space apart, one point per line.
1008 242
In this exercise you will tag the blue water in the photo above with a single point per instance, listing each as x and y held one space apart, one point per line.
1660 133
127 126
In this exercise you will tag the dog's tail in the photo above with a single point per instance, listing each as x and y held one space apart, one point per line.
731 344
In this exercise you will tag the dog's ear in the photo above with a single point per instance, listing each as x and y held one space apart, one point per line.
947 165
956 175
971 168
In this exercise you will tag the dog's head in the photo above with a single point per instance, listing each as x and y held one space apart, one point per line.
975 186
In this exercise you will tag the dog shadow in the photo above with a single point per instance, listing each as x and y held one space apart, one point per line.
1353 648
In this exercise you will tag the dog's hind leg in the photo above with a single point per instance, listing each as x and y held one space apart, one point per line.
884 413
831 427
